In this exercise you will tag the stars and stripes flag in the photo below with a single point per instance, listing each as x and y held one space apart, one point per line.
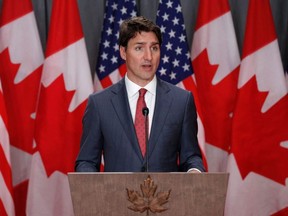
259 154
110 67
216 60
65 86
175 64
21 59
6 193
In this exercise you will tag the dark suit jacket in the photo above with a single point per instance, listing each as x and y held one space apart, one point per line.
108 127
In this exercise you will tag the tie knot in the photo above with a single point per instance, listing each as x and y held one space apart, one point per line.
142 92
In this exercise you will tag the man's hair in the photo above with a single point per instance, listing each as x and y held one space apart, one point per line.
130 27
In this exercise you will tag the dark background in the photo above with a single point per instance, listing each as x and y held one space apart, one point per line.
92 14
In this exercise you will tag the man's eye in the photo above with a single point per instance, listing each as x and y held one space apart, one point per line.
154 48
138 48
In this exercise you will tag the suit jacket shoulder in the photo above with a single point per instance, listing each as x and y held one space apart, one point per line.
110 91
173 91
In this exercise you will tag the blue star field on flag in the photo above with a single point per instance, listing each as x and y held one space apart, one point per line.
175 64
115 13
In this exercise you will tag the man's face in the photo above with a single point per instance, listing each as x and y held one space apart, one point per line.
142 57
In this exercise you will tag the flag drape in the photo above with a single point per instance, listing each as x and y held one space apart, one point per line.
65 86
259 153
20 73
110 66
216 61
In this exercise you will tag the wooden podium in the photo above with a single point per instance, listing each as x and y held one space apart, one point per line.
126 194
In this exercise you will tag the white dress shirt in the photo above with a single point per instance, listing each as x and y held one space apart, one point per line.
150 97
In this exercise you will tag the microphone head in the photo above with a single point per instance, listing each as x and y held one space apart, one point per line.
145 111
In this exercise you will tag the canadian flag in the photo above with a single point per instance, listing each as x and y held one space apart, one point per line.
65 86
258 162
216 60
21 59
6 192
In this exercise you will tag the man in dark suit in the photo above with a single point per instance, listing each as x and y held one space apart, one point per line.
108 122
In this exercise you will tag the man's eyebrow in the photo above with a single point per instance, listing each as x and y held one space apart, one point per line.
141 43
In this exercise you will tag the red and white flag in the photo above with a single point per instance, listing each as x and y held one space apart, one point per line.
258 162
21 59
216 60
6 193
65 86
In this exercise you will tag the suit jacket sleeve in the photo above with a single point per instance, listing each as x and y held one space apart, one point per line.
190 153
89 158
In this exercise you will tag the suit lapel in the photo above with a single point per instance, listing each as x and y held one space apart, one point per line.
162 106
122 109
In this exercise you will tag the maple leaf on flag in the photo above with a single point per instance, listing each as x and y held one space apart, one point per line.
21 124
258 148
214 110
63 126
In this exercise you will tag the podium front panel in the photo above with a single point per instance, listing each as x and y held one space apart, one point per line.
105 194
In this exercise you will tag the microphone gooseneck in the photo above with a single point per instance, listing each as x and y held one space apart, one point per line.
145 112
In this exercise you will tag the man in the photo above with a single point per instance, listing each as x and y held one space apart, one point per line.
108 123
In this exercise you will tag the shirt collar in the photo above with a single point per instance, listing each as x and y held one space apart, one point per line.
132 88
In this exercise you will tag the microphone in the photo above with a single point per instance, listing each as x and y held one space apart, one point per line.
145 112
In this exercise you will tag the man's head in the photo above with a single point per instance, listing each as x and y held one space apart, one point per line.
130 27
139 44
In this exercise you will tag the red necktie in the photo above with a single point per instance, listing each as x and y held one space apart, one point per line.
140 121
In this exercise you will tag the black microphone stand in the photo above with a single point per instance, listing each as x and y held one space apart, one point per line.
145 112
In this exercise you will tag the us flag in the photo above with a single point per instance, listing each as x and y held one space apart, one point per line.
110 67
175 65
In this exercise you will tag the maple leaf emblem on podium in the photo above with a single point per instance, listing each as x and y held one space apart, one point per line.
148 201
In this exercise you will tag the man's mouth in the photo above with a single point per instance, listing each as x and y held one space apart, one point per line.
147 66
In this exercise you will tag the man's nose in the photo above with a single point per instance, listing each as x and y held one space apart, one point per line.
148 54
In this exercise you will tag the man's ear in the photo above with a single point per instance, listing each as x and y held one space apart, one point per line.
123 52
